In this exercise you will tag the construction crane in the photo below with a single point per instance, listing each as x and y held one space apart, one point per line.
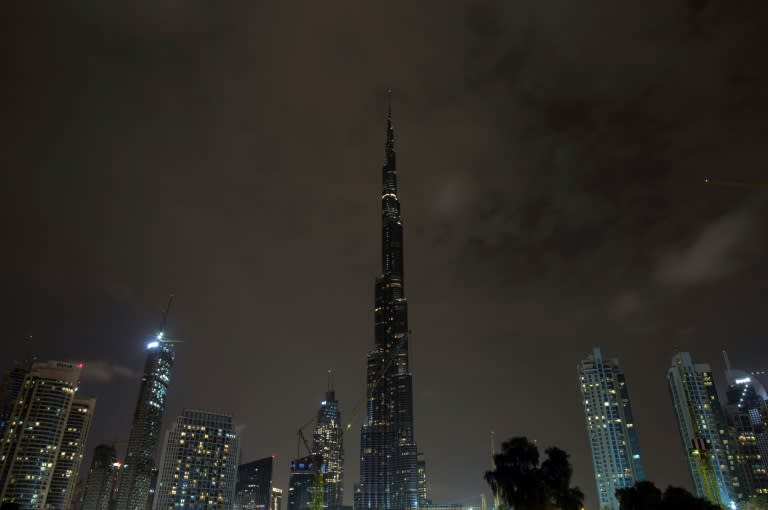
163 320
699 450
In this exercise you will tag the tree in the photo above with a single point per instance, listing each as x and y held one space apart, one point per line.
522 484
641 496
646 496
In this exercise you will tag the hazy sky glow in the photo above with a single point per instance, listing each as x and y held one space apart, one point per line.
551 160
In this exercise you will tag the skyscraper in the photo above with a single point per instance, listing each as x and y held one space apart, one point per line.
327 441
421 469
610 427
70 455
198 467
277 499
135 479
99 484
388 471
702 428
301 483
253 490
747 414
32 440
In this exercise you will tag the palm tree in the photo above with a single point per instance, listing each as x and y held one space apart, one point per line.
522 484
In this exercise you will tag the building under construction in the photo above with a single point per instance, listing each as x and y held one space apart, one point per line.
703 430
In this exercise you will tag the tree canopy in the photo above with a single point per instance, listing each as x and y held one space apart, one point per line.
646 496
521 483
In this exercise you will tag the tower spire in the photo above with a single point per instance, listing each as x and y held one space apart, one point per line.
390 144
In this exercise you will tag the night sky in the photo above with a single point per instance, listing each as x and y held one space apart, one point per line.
551 158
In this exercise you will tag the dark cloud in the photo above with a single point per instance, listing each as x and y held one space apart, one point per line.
99 372
715 253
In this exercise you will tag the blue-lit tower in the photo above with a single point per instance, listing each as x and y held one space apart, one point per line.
388 460
327 441
135 480
610 427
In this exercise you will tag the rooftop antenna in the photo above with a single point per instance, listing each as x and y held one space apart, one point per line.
493 468
727 361
330 380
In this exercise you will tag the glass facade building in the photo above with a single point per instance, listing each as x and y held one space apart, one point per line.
747 415
70 454
36 428
97 494
327 441
610 427
421 469
253 490
388 459
703 431
277 499
136 476
301 483
198 468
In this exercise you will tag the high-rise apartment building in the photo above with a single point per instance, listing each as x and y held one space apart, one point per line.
747 415
610 426
327 442
253 490
100 482
301 483
36 427
277 499
421 469
703 430
388 465
198 467
70 455
136 475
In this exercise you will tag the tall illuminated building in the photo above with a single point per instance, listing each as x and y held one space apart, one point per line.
198 468
253 490
37 425
70 455
747 414
277 499
327 441
301 483
703 431
100 481
388 464
136 476
610 427
421 469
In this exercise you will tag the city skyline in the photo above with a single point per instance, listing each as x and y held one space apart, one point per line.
553 165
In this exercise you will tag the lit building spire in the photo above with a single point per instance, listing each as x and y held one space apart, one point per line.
389 465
